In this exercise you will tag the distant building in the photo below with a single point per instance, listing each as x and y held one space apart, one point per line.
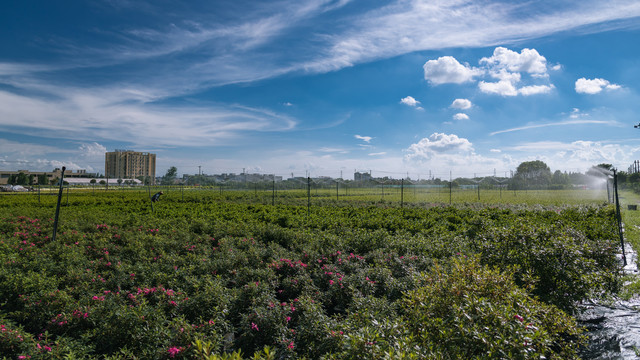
364 176
635 167
128 164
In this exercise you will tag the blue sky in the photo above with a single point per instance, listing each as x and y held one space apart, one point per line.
325 87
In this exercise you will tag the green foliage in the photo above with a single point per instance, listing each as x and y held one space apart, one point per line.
468 311
215 277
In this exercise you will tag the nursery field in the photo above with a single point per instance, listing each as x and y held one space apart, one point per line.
394 195
208 274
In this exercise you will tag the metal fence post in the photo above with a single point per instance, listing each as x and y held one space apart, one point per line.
55 222
618 216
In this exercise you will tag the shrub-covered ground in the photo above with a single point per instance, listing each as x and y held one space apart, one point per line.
210 278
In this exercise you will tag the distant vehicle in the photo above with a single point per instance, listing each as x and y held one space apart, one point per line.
13 188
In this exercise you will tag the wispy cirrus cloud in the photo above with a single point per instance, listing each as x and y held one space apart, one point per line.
399 28
559 123
240 49
366 139
99 116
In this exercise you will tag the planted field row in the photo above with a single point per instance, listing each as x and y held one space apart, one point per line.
390 195
204 277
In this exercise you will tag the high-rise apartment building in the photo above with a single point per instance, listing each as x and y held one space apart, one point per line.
127 164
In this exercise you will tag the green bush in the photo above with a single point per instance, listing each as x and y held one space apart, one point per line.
466 311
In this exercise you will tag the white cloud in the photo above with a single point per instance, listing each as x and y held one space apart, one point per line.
559 123
528 60
92 150
101 114
579 153
594 86
400 27
436 144
447 69
363 138
461 116
535 89
576 114
462 104
495 150
378 154
333 150
502 87
410 101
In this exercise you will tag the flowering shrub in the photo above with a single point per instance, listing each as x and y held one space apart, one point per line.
208 278
467 311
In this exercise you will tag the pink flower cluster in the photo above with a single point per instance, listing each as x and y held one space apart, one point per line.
4 332
287 262
173 351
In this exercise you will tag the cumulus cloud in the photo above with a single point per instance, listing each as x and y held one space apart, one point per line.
436 144
462 104
528 60
447 69
410 101
363 138
535 89
461 116
92 150
594 86
502 87
506 66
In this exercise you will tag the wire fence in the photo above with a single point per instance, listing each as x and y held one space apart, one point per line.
308 191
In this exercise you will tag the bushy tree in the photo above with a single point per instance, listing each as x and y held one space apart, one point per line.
560 178
534 174
170 176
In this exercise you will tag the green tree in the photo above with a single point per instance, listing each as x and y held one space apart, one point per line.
22 179
170 176
532 174
560 178
42 179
